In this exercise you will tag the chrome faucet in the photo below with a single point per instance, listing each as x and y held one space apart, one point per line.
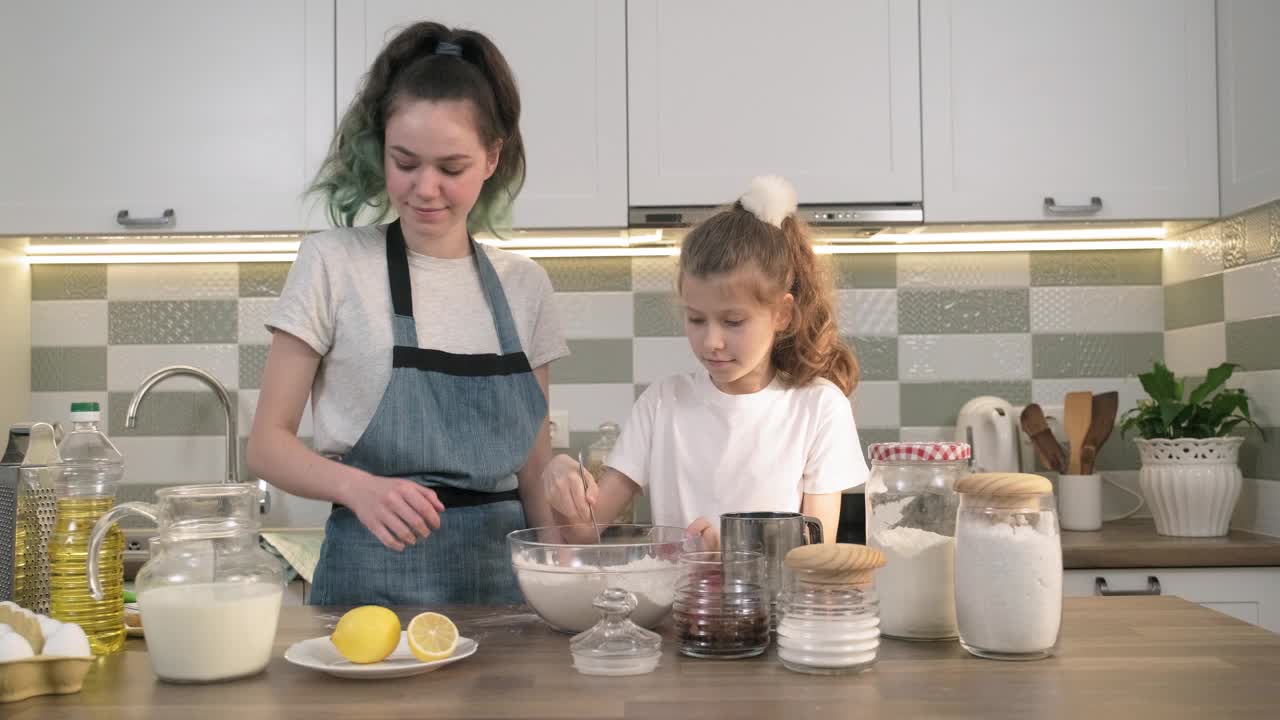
131 417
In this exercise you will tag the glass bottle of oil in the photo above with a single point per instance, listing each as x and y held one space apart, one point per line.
90 472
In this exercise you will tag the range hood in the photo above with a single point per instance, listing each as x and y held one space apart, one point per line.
854 220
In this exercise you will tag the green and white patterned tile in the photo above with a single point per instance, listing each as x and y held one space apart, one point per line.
167 322
1112 267
877 356
658 315
864 272
588 274
263 279
604 360
169 413
1095 356
253 360
1255 344
1194 302
935 312
68 282
68 368
938 404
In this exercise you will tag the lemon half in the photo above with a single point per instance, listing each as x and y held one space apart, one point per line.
432 636
367 634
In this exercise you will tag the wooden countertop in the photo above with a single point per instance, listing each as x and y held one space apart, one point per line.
1135 544
1149 657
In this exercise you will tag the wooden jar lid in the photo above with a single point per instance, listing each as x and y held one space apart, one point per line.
835 563
1004 484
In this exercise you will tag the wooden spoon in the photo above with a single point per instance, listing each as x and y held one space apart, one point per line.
1102 422
1047 448
1078 412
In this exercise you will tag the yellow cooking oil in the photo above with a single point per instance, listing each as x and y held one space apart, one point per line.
70 600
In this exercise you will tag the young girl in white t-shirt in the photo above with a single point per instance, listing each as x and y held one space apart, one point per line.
766 425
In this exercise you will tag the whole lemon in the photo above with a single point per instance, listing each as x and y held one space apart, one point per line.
367 634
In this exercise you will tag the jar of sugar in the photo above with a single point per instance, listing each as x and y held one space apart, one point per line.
1008 566
829 618
911 518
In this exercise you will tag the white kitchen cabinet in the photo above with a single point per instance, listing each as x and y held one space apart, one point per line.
1248 103
220 112
822 92
1069 109
1251 594
569 59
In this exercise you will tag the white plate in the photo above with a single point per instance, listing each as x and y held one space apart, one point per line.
320 654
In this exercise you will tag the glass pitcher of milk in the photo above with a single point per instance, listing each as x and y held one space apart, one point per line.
209 596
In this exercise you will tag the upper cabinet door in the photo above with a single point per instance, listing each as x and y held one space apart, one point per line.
219 111
1034 108
1249 103
822 92
569 59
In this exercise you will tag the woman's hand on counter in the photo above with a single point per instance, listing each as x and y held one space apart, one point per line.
397 512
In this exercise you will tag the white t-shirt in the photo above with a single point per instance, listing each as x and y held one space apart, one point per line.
338 300
699 452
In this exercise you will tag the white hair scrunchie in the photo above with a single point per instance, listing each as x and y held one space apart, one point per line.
770 198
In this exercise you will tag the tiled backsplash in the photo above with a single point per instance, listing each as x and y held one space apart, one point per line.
1222 302
931 332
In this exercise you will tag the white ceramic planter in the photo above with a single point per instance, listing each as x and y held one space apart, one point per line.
1191 486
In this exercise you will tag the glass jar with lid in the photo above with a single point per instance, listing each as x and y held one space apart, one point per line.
597 458
829 617
1008 566
911 518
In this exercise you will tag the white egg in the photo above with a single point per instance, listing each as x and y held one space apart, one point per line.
68 641
10 604
5 629
14 647
48 626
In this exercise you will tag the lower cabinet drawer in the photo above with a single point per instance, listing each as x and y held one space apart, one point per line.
1249 594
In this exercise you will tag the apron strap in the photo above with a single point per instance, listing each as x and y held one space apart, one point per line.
499 309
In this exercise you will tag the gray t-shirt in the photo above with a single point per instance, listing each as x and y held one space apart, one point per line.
338 300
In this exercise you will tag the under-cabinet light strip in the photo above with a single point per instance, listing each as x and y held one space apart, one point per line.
94 258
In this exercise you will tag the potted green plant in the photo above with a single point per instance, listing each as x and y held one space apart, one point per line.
1190 471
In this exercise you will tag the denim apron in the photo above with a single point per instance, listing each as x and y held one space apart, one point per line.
460 424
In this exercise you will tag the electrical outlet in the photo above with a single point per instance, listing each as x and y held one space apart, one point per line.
560 429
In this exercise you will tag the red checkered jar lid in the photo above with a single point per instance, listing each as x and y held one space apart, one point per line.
919 452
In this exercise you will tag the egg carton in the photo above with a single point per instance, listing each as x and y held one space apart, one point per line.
42 674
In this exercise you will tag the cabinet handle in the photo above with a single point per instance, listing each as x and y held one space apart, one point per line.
164 220
1093 208
1100 587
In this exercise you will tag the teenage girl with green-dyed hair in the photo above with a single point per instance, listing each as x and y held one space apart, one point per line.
424 354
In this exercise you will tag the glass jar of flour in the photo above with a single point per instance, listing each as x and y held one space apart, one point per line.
911 518
1008 566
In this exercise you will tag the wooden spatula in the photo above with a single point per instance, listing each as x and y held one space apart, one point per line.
1102 421
1078 413
1047 448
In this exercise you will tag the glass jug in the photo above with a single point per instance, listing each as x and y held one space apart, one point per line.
210 595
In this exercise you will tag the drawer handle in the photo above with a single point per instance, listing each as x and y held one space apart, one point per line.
1153 588
165 220
1093 208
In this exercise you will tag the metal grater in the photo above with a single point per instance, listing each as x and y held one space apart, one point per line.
38 508
13 454
35 508
8 528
